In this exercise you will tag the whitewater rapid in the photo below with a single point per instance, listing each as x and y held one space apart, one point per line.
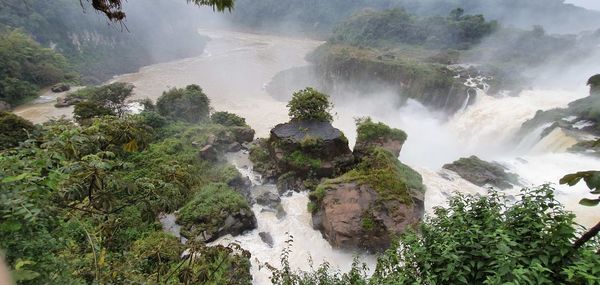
236 66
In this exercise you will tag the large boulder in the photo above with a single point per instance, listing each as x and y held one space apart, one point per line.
62 102
369 205
483 173
60 87
355 216
309 148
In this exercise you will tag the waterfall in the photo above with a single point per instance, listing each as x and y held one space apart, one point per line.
556 141
531 139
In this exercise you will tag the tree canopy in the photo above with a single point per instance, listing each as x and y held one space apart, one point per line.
189 104
311 105
27 66
113 9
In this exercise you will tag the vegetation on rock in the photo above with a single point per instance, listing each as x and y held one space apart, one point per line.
379 169
310 105
228 119
367 130
210 207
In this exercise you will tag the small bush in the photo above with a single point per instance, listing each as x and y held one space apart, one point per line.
228 119
368 130
210 206
310 105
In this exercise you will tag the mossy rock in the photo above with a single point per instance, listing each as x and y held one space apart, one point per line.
215 210
371 134
368 205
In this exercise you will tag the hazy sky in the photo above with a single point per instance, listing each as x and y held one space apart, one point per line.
590 4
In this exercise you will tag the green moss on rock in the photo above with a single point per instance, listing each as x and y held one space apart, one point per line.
391 179
209 209
368 130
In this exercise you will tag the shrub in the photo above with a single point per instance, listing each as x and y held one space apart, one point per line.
113 96
228 119
86 110
311 105
189 104
478 240
210 206
13 130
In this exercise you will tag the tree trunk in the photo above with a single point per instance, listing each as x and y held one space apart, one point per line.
587 236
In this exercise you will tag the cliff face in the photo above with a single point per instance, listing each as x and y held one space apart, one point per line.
431 83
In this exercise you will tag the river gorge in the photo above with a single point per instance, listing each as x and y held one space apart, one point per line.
234 70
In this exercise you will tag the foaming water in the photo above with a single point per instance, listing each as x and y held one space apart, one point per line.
488 126
308 244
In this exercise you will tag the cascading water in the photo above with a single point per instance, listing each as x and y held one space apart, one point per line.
308 244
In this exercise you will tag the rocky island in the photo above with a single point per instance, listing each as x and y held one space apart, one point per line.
359 199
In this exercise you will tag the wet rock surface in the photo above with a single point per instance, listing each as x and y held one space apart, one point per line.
483 173
60 87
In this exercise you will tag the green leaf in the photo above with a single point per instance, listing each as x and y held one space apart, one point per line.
589 202
24 275
19 177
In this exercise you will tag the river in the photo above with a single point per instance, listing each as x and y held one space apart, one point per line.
234 70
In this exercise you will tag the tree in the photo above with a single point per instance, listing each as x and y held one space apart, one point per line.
189 104
13 130
310 105
86 110
113 97
113 9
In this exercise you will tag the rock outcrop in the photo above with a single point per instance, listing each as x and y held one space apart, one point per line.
355 216
60 87
227 139
214 211
299 151
371 135
483 173
376 200
62 102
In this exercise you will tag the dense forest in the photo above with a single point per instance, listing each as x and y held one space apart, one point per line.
322 16
98 49
81 201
